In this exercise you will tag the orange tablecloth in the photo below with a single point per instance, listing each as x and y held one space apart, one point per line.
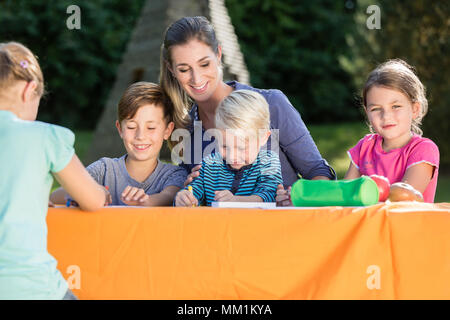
392 251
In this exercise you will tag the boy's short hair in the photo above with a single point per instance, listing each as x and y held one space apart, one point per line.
142 93
243 110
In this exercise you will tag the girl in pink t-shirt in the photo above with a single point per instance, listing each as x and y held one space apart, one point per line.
395 104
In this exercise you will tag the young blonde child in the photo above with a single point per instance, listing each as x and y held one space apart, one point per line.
139 178
242 171
32 152
395 104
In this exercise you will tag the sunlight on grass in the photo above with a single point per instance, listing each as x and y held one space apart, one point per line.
334 140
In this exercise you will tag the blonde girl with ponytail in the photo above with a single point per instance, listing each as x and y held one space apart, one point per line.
32 152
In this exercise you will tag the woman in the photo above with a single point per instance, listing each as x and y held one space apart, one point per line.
191 75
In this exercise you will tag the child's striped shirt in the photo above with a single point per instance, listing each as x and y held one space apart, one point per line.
260 178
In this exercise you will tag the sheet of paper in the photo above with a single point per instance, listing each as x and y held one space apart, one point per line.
260 205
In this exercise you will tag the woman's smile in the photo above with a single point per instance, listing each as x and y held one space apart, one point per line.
200 89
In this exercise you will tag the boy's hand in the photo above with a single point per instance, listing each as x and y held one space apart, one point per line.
195 172
185 198
51 204
133 196
283 197
224 195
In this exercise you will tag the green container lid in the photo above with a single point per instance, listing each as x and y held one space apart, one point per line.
362 191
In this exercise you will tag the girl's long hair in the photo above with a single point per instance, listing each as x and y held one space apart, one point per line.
398 75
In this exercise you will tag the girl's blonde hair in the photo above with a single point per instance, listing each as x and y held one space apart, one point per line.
17 63
243 110
179 33
397 74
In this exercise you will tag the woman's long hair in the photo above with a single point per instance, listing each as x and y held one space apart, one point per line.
179 33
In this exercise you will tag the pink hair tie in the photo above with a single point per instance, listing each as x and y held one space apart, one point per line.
24 64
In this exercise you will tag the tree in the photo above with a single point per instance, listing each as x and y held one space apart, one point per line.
78 65
297 47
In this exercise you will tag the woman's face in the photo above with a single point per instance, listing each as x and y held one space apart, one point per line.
197 69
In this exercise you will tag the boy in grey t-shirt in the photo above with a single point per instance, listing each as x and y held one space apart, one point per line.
112 172
139 178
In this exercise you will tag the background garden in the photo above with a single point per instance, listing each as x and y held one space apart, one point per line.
317 52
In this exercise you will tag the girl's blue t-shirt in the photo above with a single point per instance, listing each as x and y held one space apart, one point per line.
30 152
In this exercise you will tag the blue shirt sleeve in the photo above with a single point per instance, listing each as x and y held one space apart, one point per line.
270 177
295 140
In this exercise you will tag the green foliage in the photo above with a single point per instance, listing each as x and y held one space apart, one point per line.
417 32
79 65
334 140
317 52
296 46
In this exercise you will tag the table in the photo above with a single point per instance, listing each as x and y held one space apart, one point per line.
385 251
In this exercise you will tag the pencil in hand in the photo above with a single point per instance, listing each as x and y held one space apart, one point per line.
192 192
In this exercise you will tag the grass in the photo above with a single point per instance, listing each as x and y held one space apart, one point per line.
333 141
82 142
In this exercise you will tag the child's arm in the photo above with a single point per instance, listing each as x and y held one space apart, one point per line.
164 198
270 177
226 195
422 165
97 172
138 197
352 172
79 184
186 198
418 176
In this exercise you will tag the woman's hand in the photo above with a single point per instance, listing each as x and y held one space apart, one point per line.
195 172
283 197
133 196
224 195
185 198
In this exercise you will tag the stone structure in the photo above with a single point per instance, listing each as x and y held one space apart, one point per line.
141 61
